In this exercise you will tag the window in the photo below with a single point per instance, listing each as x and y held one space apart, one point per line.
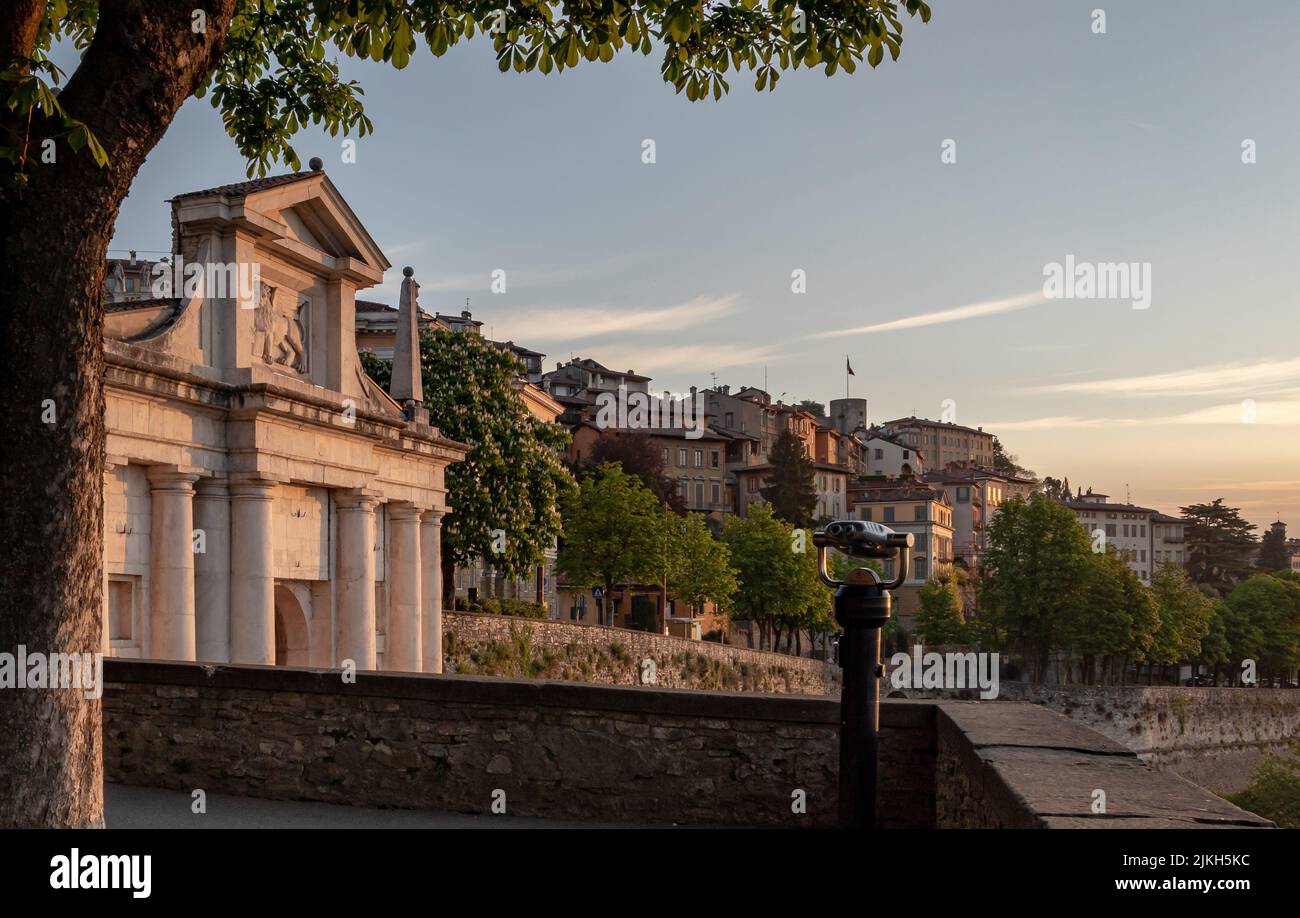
753 484
864 513
1144 532
907 454
683 457
963 495
1110 530
667 459
889 514
880 454
699 458
699 494
121 610
715 493
918 512
919 569
715 459
731 420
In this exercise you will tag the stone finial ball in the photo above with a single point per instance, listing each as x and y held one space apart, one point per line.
408 271
316 164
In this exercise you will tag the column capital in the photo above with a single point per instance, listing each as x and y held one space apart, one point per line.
251 489
212 486
356 499
433 517
171 478
403 510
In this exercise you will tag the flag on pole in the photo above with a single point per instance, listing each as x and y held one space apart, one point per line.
849 367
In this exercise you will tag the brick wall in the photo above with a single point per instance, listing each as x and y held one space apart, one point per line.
502 645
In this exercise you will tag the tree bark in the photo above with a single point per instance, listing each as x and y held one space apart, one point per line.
144 61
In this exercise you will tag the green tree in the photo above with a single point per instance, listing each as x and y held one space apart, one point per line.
1111 621
1263 616
789 487
271 69
513 479
1219 545
938 618
777 584
1186 616
1273 554
1036 573
699 568
612 533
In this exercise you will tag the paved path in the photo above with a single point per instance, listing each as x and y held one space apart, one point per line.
150 808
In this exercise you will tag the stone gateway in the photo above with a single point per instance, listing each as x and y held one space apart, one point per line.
265 501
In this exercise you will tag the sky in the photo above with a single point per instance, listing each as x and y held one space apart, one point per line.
928 276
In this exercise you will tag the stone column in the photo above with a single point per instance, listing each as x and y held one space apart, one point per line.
405 609
212 571
431 588
354 569
110 482
171 563
252 577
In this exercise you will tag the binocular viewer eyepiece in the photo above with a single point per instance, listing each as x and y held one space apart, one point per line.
862 539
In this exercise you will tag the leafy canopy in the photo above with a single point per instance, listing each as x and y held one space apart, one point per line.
512 479
279 70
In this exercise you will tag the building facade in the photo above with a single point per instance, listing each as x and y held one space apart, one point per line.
923 511
265 501
942 442
1126 528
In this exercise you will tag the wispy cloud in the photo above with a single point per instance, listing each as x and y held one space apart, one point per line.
586 323
956 314
694 358
1265 413
1217 379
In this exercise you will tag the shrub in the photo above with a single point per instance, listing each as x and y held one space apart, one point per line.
1274 791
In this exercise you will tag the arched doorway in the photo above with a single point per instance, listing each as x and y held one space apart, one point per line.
291 637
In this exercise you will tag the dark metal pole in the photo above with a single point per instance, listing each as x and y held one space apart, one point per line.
861 609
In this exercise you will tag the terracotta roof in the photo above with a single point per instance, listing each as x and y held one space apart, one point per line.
252 185
131 305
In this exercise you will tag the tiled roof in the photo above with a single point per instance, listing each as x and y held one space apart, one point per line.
252 185
130 305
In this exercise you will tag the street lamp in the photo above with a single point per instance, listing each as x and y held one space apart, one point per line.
862 604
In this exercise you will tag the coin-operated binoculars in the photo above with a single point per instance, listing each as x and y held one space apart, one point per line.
862 604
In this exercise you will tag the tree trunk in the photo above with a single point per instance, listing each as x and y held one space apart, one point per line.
143 63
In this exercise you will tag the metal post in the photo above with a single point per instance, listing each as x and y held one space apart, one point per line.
861 609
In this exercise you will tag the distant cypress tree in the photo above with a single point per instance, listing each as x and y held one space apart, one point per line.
790 488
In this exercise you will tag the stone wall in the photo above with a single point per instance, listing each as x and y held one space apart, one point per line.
502 645
1213 736
1007 765
626 755
617 754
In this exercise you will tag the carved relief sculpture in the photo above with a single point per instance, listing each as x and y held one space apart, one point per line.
279 337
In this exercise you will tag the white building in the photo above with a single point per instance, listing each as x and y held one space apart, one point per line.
1127 528
265 501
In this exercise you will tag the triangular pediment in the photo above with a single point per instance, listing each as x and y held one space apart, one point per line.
302 215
